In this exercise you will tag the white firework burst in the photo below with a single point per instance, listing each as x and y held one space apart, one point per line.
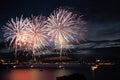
64 27
38 32
28 34
16 32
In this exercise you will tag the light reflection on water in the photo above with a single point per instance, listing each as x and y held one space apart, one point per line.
102 73
37 74
23 74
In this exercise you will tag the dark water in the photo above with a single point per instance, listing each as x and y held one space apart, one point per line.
102 73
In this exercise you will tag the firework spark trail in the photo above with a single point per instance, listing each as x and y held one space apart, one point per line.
64 27
16 33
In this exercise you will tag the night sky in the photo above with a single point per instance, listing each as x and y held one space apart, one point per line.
102 16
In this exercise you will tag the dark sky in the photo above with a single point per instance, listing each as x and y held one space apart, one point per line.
102 16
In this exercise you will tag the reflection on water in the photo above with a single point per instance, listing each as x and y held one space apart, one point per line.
22 74
102 73
61 72
37 74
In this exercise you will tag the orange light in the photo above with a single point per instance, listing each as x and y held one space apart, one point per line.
23 74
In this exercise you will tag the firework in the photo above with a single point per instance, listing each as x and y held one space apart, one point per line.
28 34
38 33
16 32
64 27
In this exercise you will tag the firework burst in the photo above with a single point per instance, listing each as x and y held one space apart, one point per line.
38 33
28 34
16 32
64 27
